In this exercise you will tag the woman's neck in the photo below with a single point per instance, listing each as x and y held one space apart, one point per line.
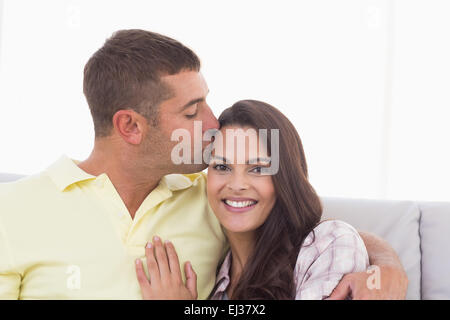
241 245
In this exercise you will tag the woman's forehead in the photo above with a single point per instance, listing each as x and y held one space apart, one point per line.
234 143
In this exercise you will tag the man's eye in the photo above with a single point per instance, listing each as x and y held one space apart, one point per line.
221 167
192 108
190 116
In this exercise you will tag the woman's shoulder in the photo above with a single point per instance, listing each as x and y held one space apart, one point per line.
334 239
328 231
333 248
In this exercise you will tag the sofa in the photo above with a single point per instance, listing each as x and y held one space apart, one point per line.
418 231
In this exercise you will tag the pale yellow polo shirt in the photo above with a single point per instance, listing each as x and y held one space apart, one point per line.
65 234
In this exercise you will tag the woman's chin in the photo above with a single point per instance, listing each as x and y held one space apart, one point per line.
237 225
238 229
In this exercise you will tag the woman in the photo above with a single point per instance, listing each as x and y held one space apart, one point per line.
272 221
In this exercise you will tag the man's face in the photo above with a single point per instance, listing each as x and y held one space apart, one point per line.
187 104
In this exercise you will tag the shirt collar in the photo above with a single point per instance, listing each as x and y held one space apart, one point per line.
224 271
222 278
177 182
65 172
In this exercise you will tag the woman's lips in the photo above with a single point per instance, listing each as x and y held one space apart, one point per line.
232 208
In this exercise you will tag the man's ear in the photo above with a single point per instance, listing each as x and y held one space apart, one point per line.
129 125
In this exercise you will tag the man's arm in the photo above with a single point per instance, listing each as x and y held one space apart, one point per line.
9 286
380 251
9 280
387 282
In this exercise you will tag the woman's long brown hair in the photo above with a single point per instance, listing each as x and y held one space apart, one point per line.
269 272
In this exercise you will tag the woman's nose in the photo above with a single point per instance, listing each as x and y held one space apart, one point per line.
238 182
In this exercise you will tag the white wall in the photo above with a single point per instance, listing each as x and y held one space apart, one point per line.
365 82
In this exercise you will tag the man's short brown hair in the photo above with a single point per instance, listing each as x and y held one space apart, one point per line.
126 74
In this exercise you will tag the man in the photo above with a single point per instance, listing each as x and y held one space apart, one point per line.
75 230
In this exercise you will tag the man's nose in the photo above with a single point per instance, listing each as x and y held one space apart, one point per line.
210 121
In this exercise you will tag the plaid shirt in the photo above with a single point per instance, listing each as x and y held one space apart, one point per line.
336 250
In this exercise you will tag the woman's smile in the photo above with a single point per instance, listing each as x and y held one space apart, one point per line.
239 205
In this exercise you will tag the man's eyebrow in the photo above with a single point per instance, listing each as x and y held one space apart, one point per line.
192 102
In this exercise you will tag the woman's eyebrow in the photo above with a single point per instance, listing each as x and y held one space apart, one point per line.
220 159
251 161
259 160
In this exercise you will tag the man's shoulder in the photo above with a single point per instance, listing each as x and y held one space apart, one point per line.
23 191
24 183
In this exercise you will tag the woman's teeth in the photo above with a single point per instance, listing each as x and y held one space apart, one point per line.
239 204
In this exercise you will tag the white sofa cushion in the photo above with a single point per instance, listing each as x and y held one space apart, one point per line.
435 245
7 177
395 221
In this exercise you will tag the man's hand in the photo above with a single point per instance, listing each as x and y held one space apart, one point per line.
165 275
392 285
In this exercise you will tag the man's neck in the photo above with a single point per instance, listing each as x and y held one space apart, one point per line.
132 183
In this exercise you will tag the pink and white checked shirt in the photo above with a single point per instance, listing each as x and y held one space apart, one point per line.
337 250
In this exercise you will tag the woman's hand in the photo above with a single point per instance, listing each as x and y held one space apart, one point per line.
165 275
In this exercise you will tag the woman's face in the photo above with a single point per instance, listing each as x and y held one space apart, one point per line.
240 196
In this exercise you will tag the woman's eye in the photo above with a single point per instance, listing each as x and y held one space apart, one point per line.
221 167
256 170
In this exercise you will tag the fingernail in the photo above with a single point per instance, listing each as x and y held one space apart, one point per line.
136 261
149 245
167 241
156 238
